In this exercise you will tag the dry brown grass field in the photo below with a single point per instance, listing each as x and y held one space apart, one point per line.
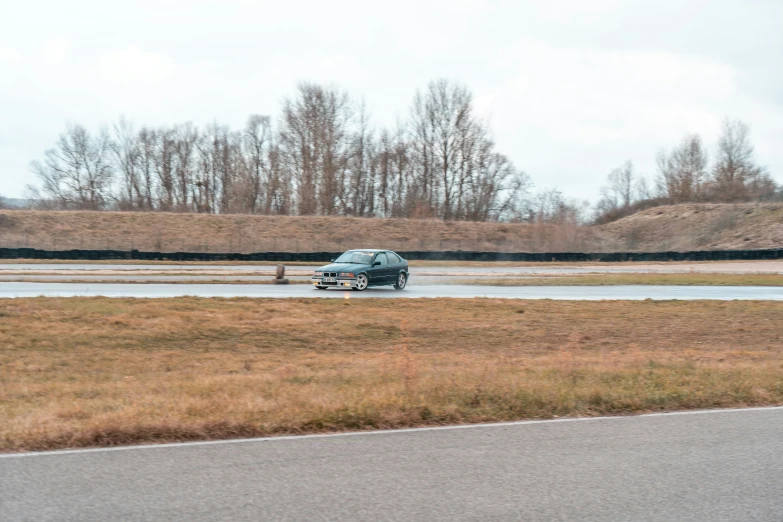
96 372
675 227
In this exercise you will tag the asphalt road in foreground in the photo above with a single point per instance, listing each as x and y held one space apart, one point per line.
700 466
570 293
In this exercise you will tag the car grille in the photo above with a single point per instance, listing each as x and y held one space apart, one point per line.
330 274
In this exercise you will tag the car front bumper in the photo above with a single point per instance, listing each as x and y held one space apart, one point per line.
334 282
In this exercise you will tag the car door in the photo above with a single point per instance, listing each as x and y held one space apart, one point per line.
395 265
379 273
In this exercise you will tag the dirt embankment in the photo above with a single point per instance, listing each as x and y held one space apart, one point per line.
169 232
675 227
697 227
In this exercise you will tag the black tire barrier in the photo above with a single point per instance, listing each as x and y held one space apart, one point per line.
412 255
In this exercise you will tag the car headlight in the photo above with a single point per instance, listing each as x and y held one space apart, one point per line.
346 274
317 274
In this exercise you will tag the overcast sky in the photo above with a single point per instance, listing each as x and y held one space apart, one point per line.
572 88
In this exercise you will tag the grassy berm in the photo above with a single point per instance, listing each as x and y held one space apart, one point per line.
670 227
98 371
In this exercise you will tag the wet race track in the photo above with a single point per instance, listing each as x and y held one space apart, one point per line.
175 280
579 293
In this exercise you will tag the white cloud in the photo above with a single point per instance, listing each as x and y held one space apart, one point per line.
590 85
56 51
9 55
568 115
589 95
133 66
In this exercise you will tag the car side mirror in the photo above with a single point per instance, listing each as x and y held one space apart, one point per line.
377 263
331 261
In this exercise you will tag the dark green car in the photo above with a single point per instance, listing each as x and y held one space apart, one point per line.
358 269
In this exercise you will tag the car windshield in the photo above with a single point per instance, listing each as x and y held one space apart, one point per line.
356 258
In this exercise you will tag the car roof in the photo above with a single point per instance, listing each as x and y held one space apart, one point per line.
368 250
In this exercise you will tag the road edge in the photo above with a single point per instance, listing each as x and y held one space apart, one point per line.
381 432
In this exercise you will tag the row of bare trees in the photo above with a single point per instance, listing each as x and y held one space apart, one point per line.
685 175
322 156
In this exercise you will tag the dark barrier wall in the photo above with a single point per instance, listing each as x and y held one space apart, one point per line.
323 257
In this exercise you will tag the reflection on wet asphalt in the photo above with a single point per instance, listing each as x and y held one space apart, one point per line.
141 277
579 293
139 267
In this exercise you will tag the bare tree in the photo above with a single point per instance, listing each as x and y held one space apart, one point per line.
621 191
445 135
494 189
164 166
550 206
456 173
146 146
386 176
621 183
643 190
363 166
78 172
682 174
128 160
397 191
257 141
280 193
224 168
181 147
314 139
735 175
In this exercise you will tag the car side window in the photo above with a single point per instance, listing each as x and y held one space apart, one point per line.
393 258
382 258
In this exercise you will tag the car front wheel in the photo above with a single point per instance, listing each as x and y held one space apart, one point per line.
361 282
402 280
